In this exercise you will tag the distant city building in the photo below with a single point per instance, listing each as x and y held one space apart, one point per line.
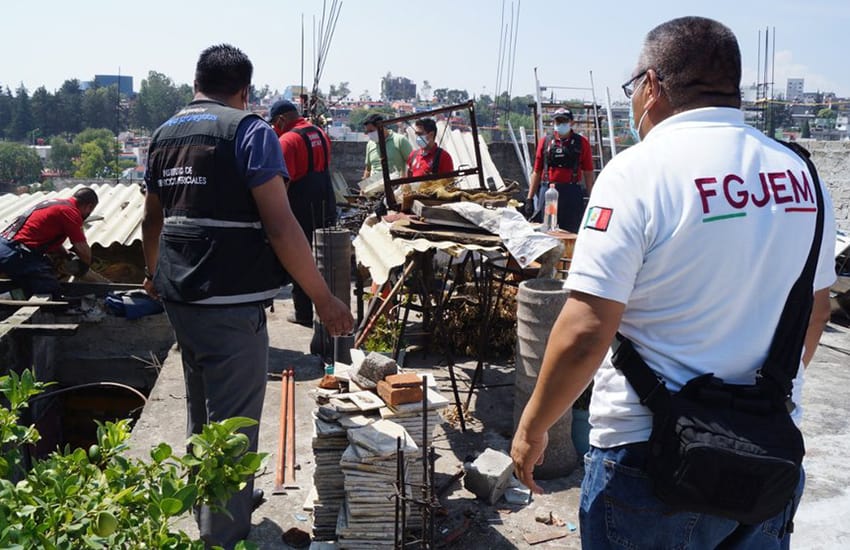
794 89
124 83
396 88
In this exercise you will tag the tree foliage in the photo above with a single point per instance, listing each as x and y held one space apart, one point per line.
62 154
21 124
98 154
18 164
356 117
158 100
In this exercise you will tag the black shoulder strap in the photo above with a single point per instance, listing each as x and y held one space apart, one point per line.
19 222
435 162
783 357
303 132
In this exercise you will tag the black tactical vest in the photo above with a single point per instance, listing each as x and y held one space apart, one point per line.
565 153
212 249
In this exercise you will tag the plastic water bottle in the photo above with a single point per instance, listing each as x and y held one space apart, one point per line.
550 209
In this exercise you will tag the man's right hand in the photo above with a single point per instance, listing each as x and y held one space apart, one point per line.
335 316
528 208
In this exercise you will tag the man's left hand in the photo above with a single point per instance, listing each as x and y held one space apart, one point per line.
149 288
527 452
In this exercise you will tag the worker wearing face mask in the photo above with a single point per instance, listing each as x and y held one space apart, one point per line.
398 148
307 154
428 158
565 160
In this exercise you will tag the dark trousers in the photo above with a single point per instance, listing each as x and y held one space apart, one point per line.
225 352
312 202
570 206
30 270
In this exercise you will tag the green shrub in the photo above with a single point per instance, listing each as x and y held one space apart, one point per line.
99 498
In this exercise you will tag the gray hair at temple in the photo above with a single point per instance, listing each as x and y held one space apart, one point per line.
699 62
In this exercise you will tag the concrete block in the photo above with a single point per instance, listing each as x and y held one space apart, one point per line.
375 367
489 475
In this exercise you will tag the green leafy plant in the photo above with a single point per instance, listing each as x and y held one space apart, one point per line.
100 498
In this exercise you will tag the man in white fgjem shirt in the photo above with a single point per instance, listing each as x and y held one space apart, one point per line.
691 242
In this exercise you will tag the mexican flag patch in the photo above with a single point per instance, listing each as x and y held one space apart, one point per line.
598 218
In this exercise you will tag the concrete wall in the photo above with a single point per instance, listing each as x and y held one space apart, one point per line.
832 159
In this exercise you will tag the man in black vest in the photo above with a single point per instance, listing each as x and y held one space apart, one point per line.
216 230
564 159
307 153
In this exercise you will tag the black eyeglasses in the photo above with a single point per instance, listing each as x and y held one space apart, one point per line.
629 87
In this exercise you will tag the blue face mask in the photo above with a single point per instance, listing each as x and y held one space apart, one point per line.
635 130
632 129
563 128
421 142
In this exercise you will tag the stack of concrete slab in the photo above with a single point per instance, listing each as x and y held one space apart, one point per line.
369 465
329 442
356 468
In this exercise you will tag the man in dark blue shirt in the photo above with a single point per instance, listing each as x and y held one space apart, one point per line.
216 230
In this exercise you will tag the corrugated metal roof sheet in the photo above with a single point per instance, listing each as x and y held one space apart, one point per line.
120 206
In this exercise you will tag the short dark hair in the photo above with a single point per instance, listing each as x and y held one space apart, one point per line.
86 196
373 119
699 61
427 124
223 69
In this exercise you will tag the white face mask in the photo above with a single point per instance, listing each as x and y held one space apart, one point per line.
563 128
421 141
373 135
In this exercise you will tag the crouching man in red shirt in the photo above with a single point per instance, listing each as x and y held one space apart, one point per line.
42 230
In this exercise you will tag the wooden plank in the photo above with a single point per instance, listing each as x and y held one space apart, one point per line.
544 534
441 216
21 303
408 229
21 316
62 328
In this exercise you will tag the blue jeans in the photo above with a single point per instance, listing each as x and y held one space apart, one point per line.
30 270
619 510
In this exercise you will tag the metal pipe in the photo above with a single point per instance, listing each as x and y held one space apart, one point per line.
597 130
611 137
289 476
281 440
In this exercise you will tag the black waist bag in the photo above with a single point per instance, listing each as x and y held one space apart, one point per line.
725 450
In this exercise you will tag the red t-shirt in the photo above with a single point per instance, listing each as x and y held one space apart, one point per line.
47 225
560 174
419 162
295 150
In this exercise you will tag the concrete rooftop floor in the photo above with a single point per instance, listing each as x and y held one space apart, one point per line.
823 521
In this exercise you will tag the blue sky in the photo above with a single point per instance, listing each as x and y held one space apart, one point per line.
450 43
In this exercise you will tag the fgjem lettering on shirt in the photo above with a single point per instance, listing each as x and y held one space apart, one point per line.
719 194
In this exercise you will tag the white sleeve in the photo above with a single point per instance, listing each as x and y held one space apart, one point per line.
613 238
825 274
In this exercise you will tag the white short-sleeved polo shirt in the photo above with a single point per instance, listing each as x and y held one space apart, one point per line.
700 230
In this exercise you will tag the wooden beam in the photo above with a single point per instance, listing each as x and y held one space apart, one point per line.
21 303
59 328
